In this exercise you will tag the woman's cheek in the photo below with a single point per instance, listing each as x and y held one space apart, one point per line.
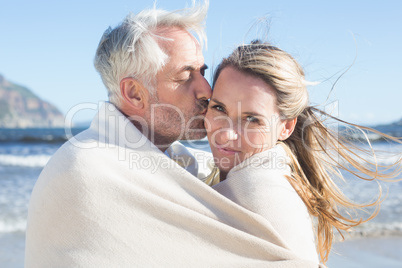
256 141
209 122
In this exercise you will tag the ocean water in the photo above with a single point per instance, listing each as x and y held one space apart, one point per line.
24 153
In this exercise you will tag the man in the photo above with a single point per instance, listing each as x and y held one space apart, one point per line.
111 197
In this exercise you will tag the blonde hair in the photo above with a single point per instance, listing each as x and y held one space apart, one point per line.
131 49
316 151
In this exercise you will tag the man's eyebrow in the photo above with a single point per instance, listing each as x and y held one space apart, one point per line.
192 68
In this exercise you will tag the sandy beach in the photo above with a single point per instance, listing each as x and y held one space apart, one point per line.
385 252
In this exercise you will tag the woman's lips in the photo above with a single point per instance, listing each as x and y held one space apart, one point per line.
227 151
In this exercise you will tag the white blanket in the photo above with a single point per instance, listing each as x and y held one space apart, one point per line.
260 185
109 198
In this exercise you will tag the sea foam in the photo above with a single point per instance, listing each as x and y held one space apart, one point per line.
39 160
11 227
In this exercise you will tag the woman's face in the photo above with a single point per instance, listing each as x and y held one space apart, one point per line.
242 118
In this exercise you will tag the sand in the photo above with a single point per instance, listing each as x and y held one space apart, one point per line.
384 252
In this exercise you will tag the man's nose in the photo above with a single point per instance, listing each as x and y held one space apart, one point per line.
203 89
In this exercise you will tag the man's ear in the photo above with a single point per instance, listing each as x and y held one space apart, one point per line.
133 93
289 126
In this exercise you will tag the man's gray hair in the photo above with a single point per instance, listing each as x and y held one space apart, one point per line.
131 49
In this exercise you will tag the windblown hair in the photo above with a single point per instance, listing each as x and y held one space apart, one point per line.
317 152
131 49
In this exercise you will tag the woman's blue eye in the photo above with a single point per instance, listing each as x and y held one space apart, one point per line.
218 108
252 119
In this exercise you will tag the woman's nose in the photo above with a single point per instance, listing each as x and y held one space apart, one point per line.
226 135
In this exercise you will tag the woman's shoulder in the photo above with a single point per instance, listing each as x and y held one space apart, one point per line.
265 189
268 167
263 179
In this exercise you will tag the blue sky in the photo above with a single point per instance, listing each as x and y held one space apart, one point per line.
49 46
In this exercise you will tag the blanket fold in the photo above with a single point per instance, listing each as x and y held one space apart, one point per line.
109 198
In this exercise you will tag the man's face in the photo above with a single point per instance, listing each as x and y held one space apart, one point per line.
178 110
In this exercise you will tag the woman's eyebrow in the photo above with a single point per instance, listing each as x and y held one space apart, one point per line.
253 114
245 113
218 102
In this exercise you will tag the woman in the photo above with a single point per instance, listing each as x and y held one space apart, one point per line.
275 155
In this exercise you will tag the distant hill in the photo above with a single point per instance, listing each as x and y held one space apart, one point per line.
20 108
396 124
399 123
393 129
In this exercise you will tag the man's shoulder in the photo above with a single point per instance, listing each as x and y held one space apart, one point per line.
204 159
197 160
200 152
79 150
